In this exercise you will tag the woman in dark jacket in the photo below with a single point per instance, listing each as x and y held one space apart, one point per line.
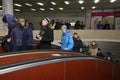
28 36
46 35
17 36
77 43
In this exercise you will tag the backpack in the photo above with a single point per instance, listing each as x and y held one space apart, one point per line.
5 45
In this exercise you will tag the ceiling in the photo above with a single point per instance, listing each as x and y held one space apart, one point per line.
74 5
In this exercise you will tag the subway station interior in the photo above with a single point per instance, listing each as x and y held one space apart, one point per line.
59 39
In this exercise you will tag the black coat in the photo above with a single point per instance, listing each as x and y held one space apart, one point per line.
77 45
47 38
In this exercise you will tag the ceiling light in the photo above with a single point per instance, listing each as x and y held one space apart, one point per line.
53 3
1 10
0 6
81 1
51 9
96 1
42 9
67 2
82 7
27 4
93 7
39 3
61 8
18 5
112 1
32 9
17 10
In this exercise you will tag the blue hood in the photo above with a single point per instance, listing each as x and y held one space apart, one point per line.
10 20
67 32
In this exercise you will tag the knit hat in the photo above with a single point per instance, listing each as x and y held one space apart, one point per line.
64 27
47 19
21 20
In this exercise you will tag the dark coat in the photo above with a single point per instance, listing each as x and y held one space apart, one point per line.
28 36
77 45
47 38
10 20
17 37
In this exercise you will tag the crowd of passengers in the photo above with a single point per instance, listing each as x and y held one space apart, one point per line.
78 25
20 37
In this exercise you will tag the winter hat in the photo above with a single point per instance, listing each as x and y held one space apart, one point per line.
21 20
47 19
64 27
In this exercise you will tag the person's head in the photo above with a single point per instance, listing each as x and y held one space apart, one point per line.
53 21
22 21
94 43
45 21
99 50
76 36
8 20
63 28
99 22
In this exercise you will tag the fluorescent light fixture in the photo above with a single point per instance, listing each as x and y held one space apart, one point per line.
82 7
42 9
17 10
67 2
93 7
53 3
112 1
32 9
51 9
28 4
0 6
61 8
1 10
18 5
39 3
96 1
81 1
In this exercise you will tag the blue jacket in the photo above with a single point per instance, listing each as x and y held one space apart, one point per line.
10 20
17 36
67 41
28 37
100 26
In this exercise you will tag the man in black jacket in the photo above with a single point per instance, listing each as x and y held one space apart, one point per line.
46 35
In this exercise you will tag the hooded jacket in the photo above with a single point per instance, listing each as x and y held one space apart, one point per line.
10 20
67 41
17 35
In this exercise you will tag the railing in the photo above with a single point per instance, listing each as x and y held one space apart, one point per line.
56 65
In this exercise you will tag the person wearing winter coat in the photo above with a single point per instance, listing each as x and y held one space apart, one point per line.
78 44
67 42
9 21
46 35
28 36
17 36
93 48
99 26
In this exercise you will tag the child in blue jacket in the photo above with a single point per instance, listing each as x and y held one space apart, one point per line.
67 39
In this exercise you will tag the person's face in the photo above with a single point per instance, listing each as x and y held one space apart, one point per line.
63 30
75 36
22 23
93 43
44 22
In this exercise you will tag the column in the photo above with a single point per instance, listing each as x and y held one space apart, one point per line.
7 6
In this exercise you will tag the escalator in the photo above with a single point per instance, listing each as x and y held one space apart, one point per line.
56 65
